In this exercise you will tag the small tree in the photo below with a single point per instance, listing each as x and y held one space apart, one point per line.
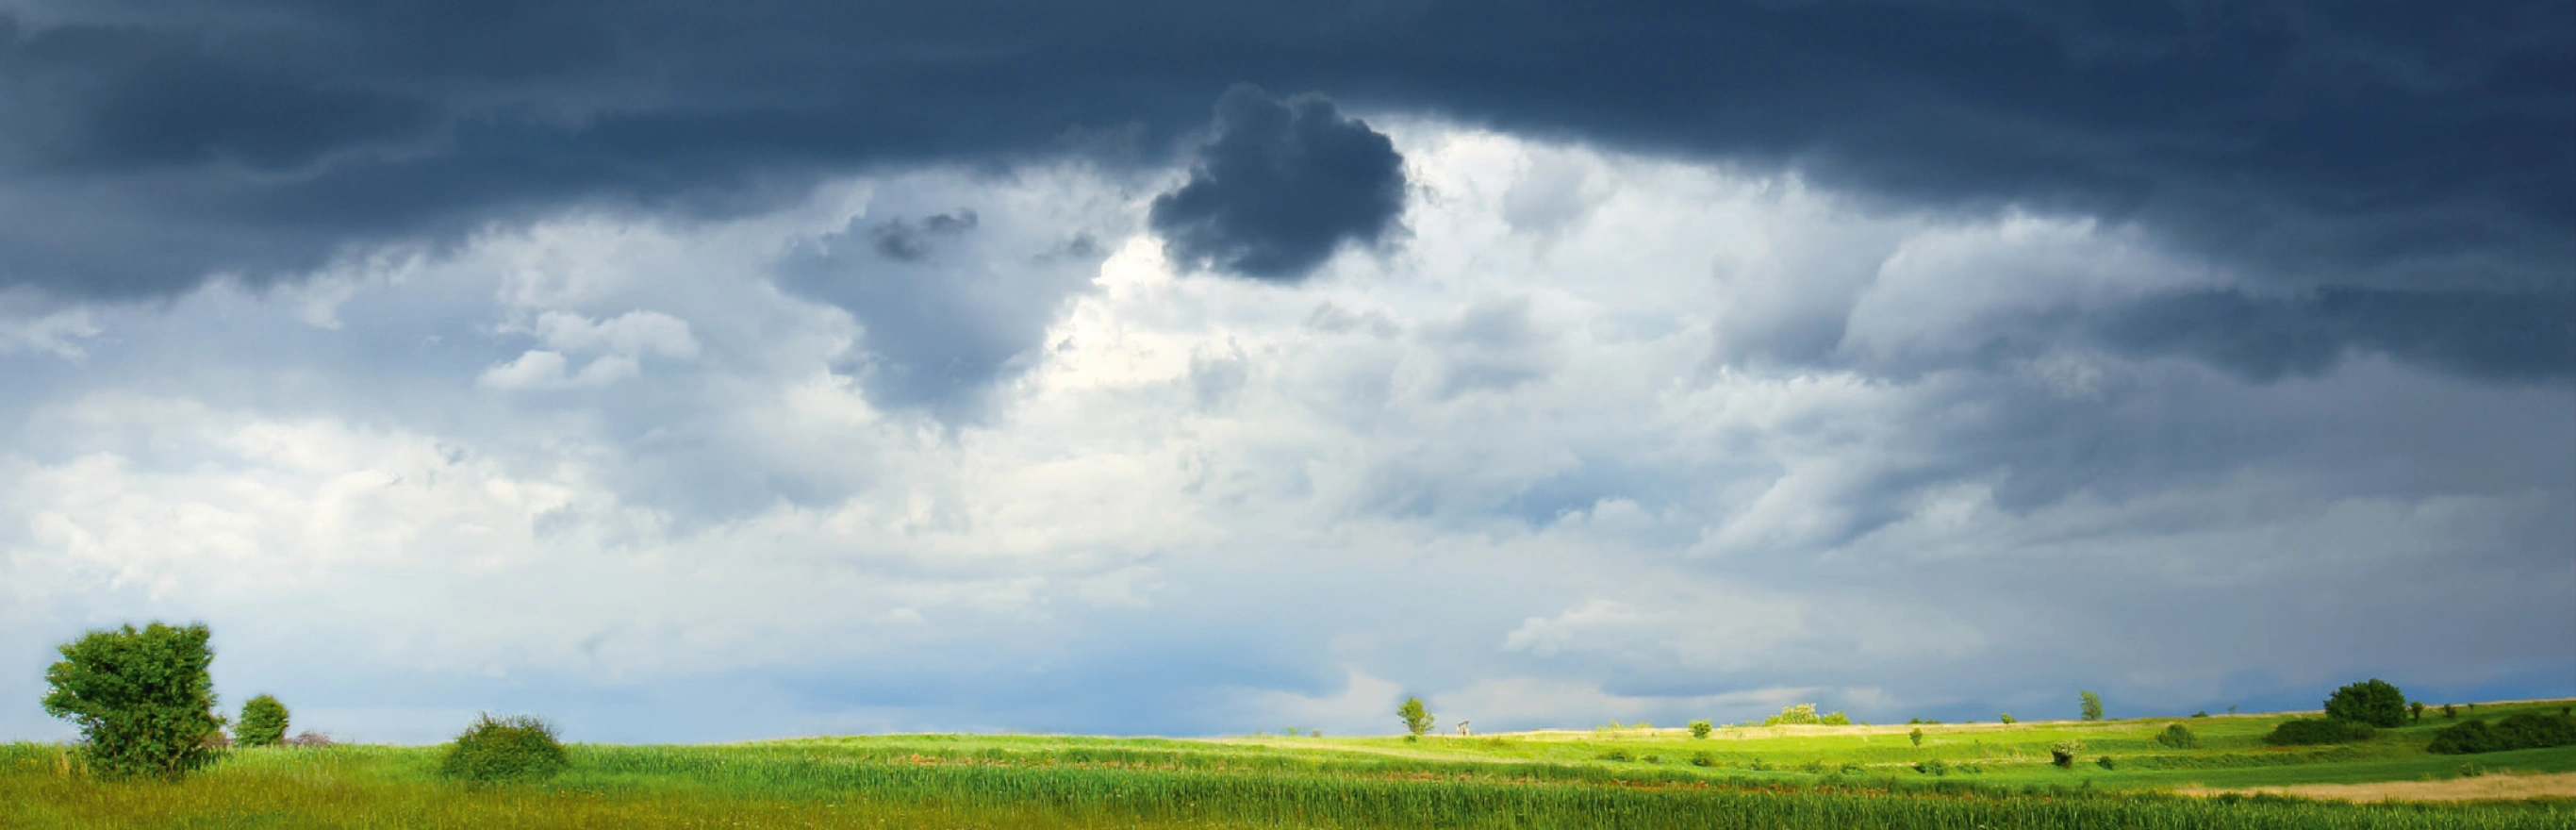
1916 736
2092 705
1417 719
2373 702
2008 719
263 722
2179 736
1700 728
143 699
2062 753
2450 712
2415 711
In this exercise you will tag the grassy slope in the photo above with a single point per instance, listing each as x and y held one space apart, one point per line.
1552 779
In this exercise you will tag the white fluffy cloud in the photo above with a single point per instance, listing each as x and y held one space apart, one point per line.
1607 438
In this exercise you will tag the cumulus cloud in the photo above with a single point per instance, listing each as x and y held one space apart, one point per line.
1279 187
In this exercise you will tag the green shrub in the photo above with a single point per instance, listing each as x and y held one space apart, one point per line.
2062 753
1932 766
2105 762
2092 705
1619 755
2529 730
1916 736
2008 719
1835 718
263 722
1417 719
517 748
2201 714
2450 712
1794 715
2373 702
2415 711
143 699
2306 731
1702 758
1700 728
2178 736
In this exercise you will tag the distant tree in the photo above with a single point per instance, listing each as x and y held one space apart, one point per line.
2373 702
143 699
263 722
2450 712
2178 736
1916 736
2231 708
2008 719
1417 719
2415 711
2092 705
1700 728
2201 714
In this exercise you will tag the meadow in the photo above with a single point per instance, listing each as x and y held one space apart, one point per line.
1986 775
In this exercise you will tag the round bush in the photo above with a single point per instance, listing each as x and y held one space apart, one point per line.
2307 731
2375 702
143 699
263 722
516 748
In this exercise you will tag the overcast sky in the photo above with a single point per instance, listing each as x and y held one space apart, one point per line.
698 372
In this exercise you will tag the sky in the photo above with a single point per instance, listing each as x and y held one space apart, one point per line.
720 371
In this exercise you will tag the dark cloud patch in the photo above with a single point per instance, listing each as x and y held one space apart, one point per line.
904 241
1281 185
940 330
2483 334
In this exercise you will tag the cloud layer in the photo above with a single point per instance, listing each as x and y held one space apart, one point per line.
1611 435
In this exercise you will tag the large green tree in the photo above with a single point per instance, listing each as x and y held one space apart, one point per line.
1417 719
143 699
2376 702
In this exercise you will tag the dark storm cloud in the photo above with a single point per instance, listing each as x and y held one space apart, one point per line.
904 241
2486 334
1281 186
2380 146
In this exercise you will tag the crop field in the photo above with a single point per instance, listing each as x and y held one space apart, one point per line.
1986 775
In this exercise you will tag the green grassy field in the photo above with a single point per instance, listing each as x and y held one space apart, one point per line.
1770 777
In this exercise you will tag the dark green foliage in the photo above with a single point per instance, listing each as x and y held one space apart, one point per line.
516 748
2373 702
2529 730
2201 714
2450 712
1703 758
1916 736
1619 755
1700 728
2105 762
2062 753
2415 711
1417 719
143 699
2008 719
263 722
2092 705
2178 736
2306 731
1932 766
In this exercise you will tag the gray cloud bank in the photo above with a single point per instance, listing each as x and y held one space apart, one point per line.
2370 147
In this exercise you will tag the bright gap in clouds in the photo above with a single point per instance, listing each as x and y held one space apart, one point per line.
1593 437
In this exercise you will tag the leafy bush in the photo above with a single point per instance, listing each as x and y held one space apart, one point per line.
2105 762
2179 736
263 722
1700 728
1916 736
2062 753
1932 766
1793 715
2092 705
2008 719
1652 759
2201 714
2306 731
517 748
1835 718
2373 702
1620 755
2450 712
1702 758
2415 712
1417 719
143 699
2529 730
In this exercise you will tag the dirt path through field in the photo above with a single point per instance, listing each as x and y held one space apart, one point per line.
2484 787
